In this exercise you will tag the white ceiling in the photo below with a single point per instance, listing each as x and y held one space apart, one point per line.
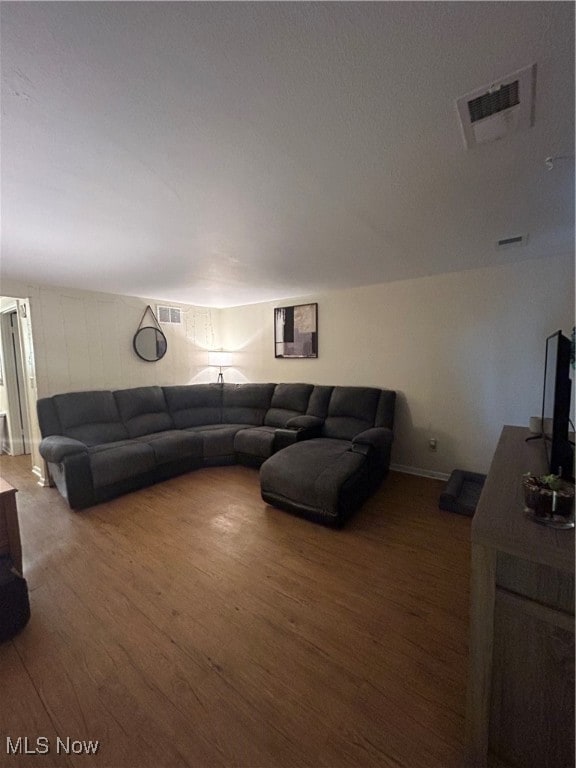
227 153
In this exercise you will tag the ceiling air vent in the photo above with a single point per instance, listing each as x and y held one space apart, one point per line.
495 111
169 314
512 242
493 102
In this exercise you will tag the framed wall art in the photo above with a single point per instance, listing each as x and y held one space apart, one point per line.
296 331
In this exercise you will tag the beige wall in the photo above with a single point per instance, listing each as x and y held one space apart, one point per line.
464 350
83 340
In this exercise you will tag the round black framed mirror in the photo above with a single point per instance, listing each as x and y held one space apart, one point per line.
150 344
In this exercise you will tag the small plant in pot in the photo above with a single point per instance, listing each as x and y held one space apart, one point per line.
548 495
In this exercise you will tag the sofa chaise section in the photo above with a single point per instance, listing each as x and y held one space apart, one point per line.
327 478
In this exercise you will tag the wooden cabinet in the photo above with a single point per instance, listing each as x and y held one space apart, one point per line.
9 529
520 708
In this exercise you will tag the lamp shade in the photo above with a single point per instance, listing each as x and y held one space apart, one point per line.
220 359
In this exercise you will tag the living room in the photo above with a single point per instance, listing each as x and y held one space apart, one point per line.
226 160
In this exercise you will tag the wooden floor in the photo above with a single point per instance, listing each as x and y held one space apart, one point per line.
190 624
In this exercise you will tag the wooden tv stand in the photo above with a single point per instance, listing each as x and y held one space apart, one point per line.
520 707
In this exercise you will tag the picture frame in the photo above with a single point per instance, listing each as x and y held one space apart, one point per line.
296 331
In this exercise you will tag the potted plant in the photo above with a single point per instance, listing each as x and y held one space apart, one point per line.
548 495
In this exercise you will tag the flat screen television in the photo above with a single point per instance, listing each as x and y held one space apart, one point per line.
556 406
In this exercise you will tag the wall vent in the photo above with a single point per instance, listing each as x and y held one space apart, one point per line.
495 111
517 241
167 314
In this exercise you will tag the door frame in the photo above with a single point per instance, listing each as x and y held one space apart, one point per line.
18 433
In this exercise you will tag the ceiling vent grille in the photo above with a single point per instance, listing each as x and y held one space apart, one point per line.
167 314
493 102
495 111
517 241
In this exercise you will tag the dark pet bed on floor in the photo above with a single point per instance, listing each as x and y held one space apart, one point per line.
462 492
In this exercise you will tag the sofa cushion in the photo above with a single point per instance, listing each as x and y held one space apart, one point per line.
143 410
173 445
91 417
255 441
194 405
319 401
386 407
113 463
351 410
48 417
246 403
217 439
288 400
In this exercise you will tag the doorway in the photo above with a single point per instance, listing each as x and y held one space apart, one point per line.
15 421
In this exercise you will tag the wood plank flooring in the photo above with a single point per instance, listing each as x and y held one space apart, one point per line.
190 624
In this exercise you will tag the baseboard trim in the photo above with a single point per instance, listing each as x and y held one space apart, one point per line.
40 475
419 472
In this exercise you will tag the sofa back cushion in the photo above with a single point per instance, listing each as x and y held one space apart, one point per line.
246 403
143 410
319 401
91 417
351 411
386 406
48 417
194 405
288 400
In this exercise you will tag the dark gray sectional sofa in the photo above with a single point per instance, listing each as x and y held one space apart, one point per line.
322 449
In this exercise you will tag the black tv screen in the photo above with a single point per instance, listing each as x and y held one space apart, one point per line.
556 405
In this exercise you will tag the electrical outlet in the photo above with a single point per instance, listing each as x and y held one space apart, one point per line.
432 443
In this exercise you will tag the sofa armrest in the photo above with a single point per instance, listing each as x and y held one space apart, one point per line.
377 439
297 428
285 437
312 423
55 448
